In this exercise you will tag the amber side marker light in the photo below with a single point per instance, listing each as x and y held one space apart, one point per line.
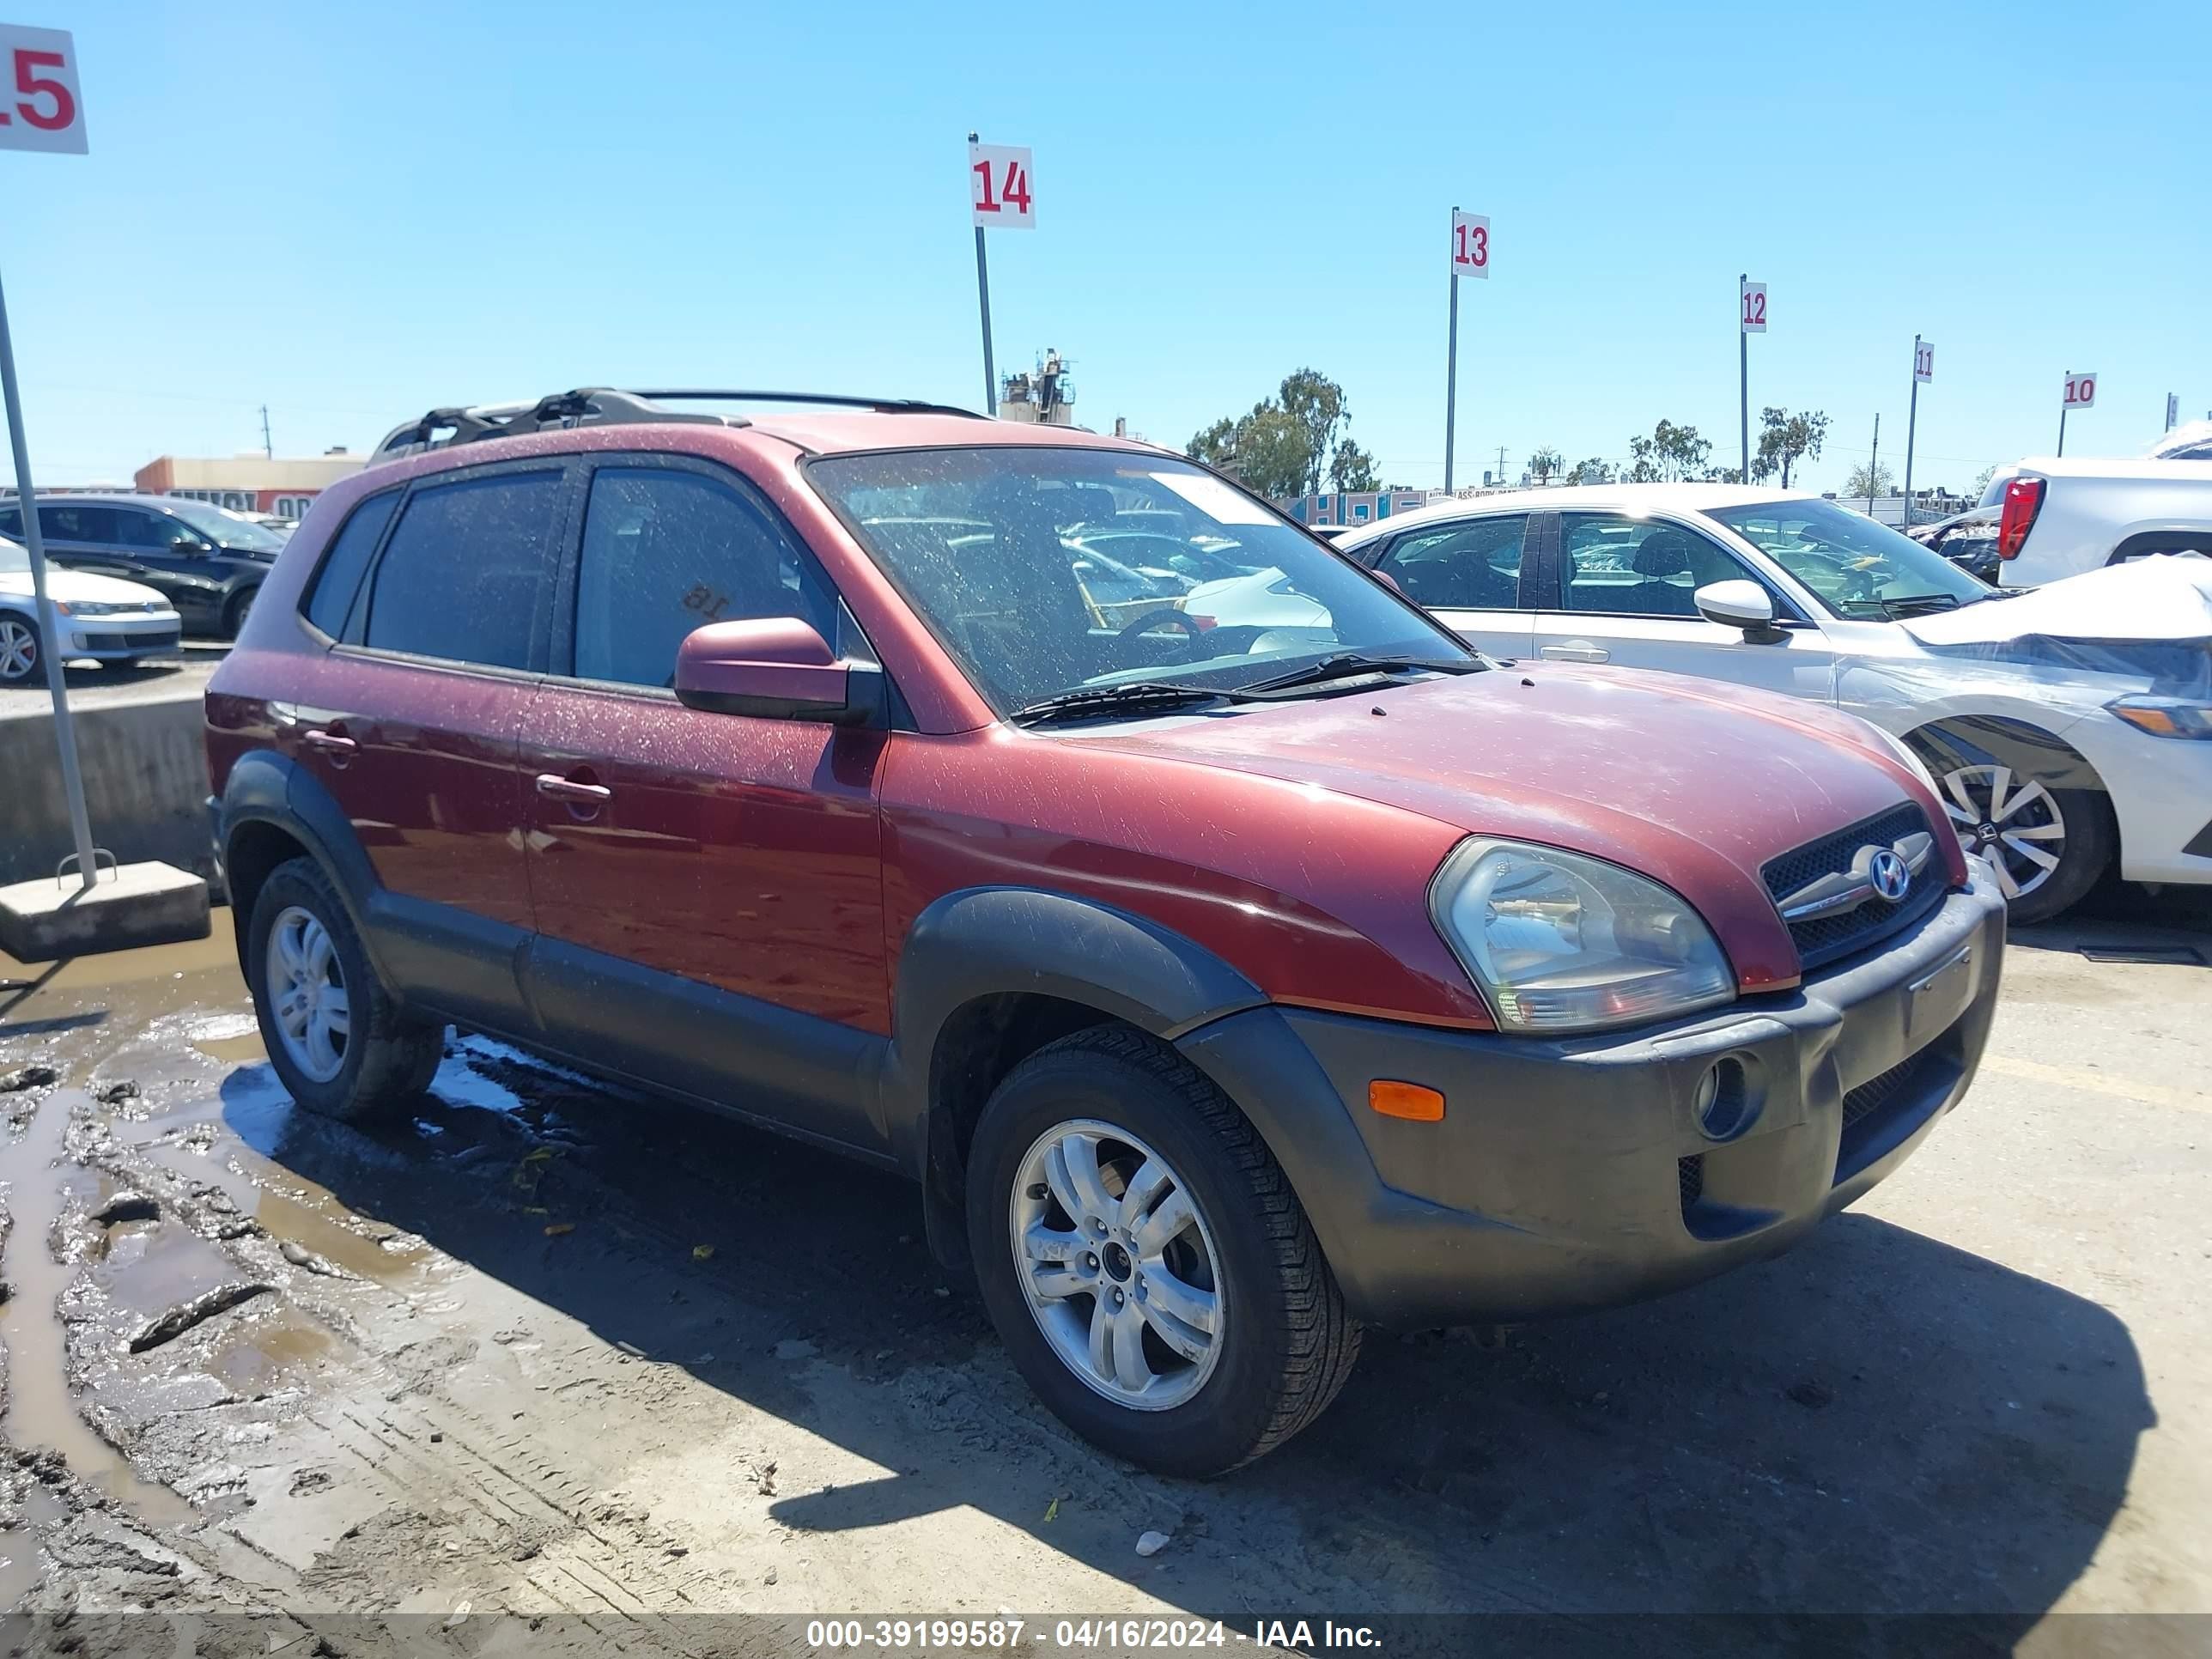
1405 1100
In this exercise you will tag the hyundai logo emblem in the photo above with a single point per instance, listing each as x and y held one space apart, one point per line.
1888 874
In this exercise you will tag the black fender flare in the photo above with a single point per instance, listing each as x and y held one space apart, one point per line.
265 786
984 942
1998 740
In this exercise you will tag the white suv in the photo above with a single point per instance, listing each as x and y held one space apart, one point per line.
2071 727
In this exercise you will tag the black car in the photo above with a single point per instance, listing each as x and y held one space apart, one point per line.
207 562
1968 539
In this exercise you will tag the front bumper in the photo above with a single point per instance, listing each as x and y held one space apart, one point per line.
1573 1173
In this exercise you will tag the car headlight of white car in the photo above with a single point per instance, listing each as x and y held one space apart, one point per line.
87 607
1560 943
2164 717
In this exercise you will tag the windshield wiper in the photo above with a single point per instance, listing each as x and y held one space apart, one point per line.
1345 664
1918 604
1084 701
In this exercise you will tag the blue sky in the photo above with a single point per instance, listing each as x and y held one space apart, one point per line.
352 214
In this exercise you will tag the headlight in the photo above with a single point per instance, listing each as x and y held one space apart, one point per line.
85 608
2164 717
1556 942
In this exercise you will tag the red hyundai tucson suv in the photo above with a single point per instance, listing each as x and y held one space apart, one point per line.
1227 987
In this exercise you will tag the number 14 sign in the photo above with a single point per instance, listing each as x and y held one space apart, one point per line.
39 108
999 187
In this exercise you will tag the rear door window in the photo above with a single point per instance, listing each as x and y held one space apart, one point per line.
469 570
1462 567
62 522
1615 565
339 580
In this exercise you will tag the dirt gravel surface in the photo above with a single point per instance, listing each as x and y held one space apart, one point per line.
544 1349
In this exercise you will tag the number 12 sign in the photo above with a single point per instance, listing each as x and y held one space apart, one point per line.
1470 255
39 108
1754 307
999 187
2081 391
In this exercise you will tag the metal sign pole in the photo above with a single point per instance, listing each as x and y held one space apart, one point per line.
983 299
1743 377
2062 418
1911 427
1451 376
64 734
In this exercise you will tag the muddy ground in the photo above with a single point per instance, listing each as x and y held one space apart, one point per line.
548 1350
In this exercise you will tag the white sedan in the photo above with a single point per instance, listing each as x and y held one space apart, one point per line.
103 618
2069 728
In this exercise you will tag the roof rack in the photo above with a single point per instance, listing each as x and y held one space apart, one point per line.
442 429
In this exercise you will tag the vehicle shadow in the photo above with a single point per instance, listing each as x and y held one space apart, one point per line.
1875 1423
2125 921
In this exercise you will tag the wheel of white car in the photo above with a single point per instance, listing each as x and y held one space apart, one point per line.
2048 847
19 649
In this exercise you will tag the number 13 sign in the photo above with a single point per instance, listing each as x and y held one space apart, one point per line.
1470 246
39 108
999 187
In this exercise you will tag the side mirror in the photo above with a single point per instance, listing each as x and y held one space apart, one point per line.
192 547
1739 604
774 668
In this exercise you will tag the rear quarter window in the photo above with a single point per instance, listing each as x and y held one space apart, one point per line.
467 572
339 580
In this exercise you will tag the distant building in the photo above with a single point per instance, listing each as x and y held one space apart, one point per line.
1356 506
248 482
1045 397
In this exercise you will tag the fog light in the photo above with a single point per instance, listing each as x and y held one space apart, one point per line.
1723 1101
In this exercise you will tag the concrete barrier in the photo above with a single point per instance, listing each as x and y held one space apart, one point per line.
145 786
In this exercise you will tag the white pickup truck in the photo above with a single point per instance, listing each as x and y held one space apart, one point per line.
2062 516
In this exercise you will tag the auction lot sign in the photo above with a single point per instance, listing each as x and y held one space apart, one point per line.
39 108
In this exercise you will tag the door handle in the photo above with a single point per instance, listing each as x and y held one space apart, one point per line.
331 743
567 789
1578 652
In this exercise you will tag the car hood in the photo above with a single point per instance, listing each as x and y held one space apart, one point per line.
70 585
1690 782
2165 597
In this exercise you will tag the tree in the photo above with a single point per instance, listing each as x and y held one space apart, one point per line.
1272 456
1982 481
1671 453
1871 479
1316 404
1544 463
1595 471
1784 438
1215 446
1351 467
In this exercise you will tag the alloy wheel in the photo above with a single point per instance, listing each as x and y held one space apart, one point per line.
306 993
2013 823
1118 1265
19 649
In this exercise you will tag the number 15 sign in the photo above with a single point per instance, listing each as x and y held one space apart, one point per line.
999 187
39 108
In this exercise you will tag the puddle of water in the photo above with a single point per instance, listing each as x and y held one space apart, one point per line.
258 1357
234 1051
41 1411
18 1545
150 1269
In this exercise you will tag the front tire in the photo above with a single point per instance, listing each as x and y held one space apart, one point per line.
341 1046
1146 1261
234 613
2050 847
20 661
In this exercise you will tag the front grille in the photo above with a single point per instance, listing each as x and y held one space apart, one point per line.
1822 939
1690 1177
1872 1108
164 641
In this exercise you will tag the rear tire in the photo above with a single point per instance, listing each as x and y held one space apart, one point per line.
309 975
1281 1344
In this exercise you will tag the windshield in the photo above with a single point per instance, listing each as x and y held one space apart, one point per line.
226 529
1857 567
1017 560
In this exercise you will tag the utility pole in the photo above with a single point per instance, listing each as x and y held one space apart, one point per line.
1743 378
1873 463
267 448
1451 374
1912 430
1501 462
